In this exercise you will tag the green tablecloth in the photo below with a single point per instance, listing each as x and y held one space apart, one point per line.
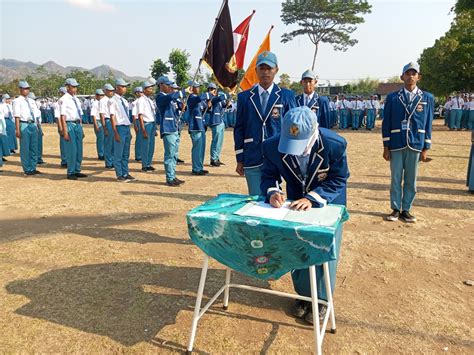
260 247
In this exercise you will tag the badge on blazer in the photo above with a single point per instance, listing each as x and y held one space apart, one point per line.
322 176
276 112
419 108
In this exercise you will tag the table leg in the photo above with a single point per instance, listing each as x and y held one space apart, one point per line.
327 281
197 307
226 292
314 297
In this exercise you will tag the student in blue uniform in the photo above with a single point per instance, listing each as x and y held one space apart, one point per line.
371 106
71 116
344 112
167 108
98 128
57 116
310 98
109 91
10 122
138 91
312 161
198 104
470 167
216 122
259 112
4 146
38 119
147 117
26 129
406 133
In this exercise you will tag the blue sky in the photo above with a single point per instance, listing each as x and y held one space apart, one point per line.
129 35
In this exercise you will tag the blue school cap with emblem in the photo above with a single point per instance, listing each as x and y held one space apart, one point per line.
138 89
23 84
147 84
268 58
99 92
121 82
297 128
164 80
212 86
308 74
71 82
411 65
109 87
62 89
5 97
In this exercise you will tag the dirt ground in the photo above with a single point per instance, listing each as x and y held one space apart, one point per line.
97 266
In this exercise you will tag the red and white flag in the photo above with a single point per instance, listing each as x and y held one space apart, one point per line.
241 34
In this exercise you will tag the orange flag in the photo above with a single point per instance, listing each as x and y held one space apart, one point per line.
250 77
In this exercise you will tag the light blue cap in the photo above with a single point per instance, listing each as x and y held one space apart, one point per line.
121 82
62 89
109 87
99 92
23 84
164 80
212 86
194 84
138 89
71 82
308 74
268 58
147 84
411 65
152 80
5 97
175 86
298 126
32 95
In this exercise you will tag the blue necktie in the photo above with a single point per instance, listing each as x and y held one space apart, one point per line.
77 107
125 109
264 100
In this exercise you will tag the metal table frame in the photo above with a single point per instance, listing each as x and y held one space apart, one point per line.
319 330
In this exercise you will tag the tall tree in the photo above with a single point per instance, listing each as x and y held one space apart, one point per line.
324 21
179 61
285 81
159 68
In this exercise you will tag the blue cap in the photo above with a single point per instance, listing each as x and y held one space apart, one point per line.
138 89
298 126
71 82
164 80
175 86
152 80
109 87
99 92
23 84
411 65
267 58
194 84
121 82
5 97
147 84
62 89
212 86
32 95
308 74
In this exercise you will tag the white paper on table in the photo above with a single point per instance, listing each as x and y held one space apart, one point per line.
326 216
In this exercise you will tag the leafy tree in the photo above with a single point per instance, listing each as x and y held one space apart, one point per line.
363 87
324 21
179 61
285 81
159 68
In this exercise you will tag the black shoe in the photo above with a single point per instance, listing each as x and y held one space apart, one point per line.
36 172
138 160
150 168
173 183
199 172
122 179
40 162
12 151
205 172
80 175
393 217
101 158
64 166
215 163
3 159
322 308
129 177
28 173
109 167
220 163
179 161
72 177
179 181
407 217
145 170
300 308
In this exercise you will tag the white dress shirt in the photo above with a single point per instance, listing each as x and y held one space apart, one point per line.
411 94
116 108
7 110
104 106
147 108
22 110
95 109
456 103
70 107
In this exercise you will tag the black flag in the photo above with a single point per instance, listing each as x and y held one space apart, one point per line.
220 49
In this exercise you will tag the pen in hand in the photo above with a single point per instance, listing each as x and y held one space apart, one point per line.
277 199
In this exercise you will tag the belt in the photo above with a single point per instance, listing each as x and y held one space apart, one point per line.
122 125
29 121
75 121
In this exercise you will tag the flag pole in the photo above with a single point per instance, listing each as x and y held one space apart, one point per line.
208 41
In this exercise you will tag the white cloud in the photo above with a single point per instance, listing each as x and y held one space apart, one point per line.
94 5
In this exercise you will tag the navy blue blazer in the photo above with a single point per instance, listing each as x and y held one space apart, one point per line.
415 133
167 107
219 104
319 105
253 126
327 174
197 105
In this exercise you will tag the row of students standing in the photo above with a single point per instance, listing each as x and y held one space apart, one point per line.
459 112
